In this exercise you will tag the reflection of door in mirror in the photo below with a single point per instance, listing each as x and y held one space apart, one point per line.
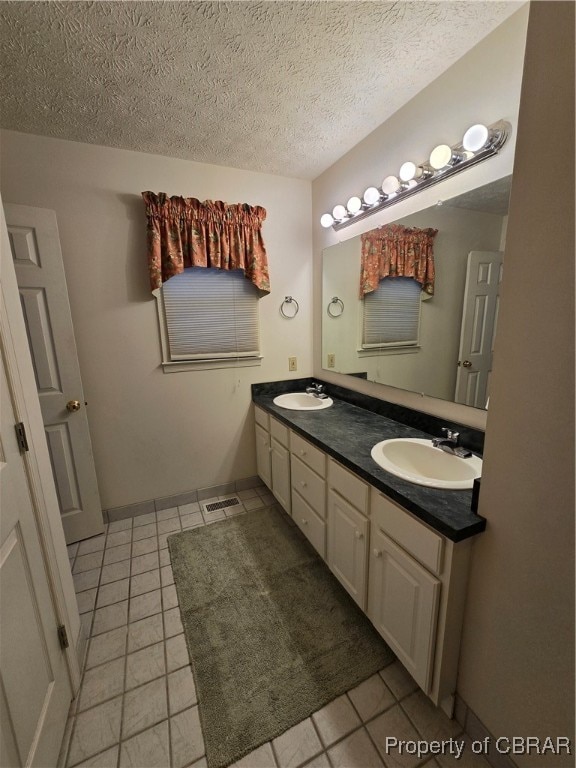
475 221
478 329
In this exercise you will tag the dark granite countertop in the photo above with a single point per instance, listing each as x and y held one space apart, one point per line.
348 431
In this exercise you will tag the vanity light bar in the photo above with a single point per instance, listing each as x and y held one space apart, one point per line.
479 143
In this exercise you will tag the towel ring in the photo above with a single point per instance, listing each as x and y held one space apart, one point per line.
289 300
339 304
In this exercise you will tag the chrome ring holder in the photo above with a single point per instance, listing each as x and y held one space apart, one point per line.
289 300
338 304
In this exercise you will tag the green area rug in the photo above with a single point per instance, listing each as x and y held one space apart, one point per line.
271 634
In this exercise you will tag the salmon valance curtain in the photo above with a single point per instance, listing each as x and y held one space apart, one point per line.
183 232
397 251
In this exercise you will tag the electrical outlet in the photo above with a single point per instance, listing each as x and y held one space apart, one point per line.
292 364
331 360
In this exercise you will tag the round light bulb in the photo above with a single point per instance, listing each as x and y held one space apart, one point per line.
441 156
476 138
339 212
354 205
390 185
327 220
409 171
372 196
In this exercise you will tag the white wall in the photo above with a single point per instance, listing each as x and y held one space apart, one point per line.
517 663
484 86
157 434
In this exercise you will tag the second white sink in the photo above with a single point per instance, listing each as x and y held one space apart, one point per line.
302 401
418 461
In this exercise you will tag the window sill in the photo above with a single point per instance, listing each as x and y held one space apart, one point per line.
379 351
178 366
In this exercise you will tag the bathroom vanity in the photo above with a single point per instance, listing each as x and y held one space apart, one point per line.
400 550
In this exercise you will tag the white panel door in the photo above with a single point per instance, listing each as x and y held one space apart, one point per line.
348 546
403 601
35 691
478 329
39 269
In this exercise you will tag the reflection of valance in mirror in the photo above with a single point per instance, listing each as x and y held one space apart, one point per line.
397 251
183 232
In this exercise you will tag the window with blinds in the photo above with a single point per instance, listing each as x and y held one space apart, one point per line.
211 314
392 314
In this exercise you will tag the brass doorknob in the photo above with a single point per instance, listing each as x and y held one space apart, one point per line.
73 405
467 364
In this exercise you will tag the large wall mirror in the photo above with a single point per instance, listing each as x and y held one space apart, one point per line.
452 358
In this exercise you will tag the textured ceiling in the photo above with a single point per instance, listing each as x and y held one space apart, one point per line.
278 87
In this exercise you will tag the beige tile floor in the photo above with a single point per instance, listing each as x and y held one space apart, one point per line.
137 706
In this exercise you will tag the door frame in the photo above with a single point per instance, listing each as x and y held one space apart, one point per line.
21 380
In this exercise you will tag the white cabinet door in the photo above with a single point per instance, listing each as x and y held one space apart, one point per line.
403 603
35 246
263 464
280 459
348 546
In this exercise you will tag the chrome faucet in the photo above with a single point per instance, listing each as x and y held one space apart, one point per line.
317 390
449 444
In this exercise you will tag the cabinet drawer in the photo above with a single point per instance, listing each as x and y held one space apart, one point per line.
308 453
261 417
279 431
310 524
348 485
424 545
309 485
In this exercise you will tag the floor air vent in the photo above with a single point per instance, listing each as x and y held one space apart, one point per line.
212 506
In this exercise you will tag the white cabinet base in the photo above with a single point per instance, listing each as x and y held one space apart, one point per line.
410 580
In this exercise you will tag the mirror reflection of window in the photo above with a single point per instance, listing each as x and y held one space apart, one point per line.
392 314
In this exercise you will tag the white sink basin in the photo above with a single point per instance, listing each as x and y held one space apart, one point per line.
418 461
302 401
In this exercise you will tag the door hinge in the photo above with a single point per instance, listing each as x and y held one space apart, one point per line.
21 437
63 636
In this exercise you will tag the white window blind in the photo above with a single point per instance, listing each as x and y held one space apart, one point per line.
211 314
392 314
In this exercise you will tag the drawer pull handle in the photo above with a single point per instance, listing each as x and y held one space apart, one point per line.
358 534
377 553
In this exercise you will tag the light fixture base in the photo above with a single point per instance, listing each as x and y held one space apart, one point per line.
499 131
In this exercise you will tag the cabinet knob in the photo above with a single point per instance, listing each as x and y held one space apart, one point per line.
303 483
377 553
304 521
358 534
302 453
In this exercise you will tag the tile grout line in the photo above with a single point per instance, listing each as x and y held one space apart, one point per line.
165 640
126 651
85 660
